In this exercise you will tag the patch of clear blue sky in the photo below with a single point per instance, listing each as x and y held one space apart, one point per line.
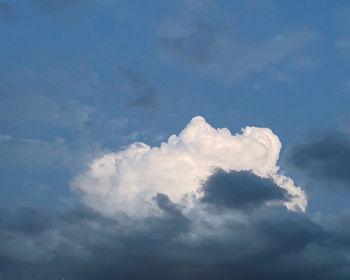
74 52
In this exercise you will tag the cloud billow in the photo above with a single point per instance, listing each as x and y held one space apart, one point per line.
126 181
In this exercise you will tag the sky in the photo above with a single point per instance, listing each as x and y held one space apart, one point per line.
178 139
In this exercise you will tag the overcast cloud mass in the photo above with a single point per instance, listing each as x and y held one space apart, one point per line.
180 139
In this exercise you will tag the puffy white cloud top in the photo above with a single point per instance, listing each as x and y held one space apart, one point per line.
128 180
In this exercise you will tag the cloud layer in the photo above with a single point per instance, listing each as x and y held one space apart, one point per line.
266 243
127 181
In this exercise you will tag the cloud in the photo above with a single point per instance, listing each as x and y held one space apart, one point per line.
343 44
6 9
241 190
24 220
346 87
188 36
52 120
128 180
214 54
324 157
204 205
27 107
33 153
146 94
270 243
53 5
303 63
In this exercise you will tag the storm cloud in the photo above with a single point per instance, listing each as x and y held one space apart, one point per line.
239 190
235 223
325 157
271 242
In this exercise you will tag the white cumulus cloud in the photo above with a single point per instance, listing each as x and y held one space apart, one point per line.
128 180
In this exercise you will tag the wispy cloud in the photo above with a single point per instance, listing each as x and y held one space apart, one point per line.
189 38
343 44
145 94
6 9
33 153
54 5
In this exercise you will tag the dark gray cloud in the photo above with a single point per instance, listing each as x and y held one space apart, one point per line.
240 190
166 205
325 157
24 220
269 242
146 95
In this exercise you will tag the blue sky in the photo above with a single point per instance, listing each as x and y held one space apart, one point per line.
81 79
